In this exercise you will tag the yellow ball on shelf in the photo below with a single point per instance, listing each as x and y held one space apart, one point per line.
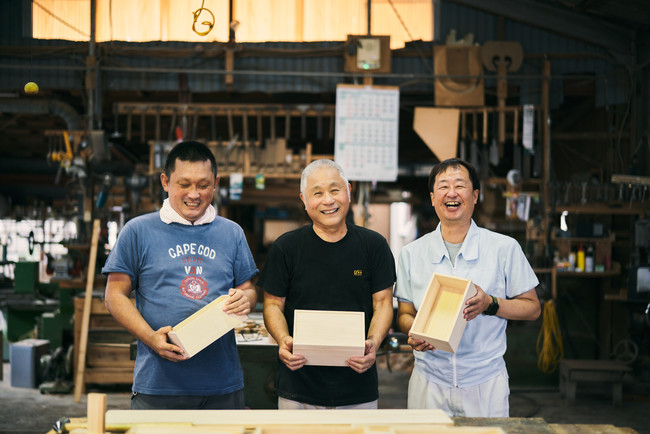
31 88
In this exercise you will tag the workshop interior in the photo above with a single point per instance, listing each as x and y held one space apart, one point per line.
548 100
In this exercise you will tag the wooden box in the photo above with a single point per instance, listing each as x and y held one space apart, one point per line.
328 338
439 321
204 327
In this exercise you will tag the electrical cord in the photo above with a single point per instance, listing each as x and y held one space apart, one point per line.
549 341
196 14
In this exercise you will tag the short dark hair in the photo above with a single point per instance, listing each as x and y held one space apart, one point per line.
454 163
189 151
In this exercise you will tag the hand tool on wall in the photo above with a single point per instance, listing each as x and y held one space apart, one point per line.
516 149
303 120
462 151
474 150
496 148
319 120
484 169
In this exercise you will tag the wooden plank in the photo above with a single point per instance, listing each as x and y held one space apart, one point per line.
81 361
328 338
204 327
109 375
286 417
440 321
109 356
96 411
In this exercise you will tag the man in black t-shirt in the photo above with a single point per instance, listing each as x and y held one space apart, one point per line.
333 265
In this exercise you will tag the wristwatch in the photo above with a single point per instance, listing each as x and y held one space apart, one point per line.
493 307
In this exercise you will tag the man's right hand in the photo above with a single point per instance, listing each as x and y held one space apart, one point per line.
158 342
420 344
292 361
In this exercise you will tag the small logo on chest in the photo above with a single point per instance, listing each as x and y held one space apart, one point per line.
194 287
358 273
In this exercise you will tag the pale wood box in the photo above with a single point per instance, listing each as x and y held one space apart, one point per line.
204 327
328 338
439 321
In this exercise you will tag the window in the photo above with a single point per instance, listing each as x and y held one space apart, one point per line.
257 20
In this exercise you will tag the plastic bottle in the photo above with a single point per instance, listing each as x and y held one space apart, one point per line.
581 259
589 259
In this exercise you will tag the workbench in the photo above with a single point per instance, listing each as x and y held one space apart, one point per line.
251 421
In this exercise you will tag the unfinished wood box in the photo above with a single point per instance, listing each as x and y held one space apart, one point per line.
328 338
204 327
439 321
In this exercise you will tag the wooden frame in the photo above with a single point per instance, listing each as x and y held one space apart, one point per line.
204 327
439 321
328 338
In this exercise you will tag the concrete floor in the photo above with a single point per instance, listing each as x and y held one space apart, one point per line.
27 411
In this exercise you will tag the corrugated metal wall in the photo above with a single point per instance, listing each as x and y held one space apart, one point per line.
60 68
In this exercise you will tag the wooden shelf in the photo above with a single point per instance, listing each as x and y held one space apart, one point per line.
614 271
612 208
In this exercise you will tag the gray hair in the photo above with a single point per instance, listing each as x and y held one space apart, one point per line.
316 165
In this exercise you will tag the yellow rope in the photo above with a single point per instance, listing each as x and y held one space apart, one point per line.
550 352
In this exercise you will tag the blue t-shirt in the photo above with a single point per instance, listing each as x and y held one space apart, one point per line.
175 270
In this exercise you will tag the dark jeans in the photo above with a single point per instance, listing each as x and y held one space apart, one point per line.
230 401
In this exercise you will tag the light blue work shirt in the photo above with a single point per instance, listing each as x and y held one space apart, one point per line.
493 261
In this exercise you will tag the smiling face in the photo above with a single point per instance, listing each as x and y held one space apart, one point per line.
327 200
453 196
190 187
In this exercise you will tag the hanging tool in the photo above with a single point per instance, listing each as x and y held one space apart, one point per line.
484 170
303 120
319 120
462 151
473 154
516 149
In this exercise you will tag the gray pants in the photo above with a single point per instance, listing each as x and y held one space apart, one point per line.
229 401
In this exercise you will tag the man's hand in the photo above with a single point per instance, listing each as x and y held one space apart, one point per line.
285 351
362 364
157 341
476 305
237 302
420 344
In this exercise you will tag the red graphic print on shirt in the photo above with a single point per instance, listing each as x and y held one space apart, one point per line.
194 287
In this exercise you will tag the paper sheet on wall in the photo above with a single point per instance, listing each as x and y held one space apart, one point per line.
365 140
528 127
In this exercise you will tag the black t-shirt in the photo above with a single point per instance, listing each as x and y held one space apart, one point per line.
314 274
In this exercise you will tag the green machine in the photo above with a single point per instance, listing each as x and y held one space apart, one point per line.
35 306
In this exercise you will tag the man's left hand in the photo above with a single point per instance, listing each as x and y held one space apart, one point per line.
237 302
362 364
476 305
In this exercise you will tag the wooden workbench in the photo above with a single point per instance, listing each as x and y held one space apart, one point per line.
437 422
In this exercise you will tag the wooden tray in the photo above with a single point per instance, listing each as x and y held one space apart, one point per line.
328 338
440 319
204 327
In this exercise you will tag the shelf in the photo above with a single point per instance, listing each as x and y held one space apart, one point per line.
614 271
612 208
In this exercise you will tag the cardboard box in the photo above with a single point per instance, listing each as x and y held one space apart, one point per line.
204 327
328 338
440 319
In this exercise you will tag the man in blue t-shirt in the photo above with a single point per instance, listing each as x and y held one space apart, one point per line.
176 261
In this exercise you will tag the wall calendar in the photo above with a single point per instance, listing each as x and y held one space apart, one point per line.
365 139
